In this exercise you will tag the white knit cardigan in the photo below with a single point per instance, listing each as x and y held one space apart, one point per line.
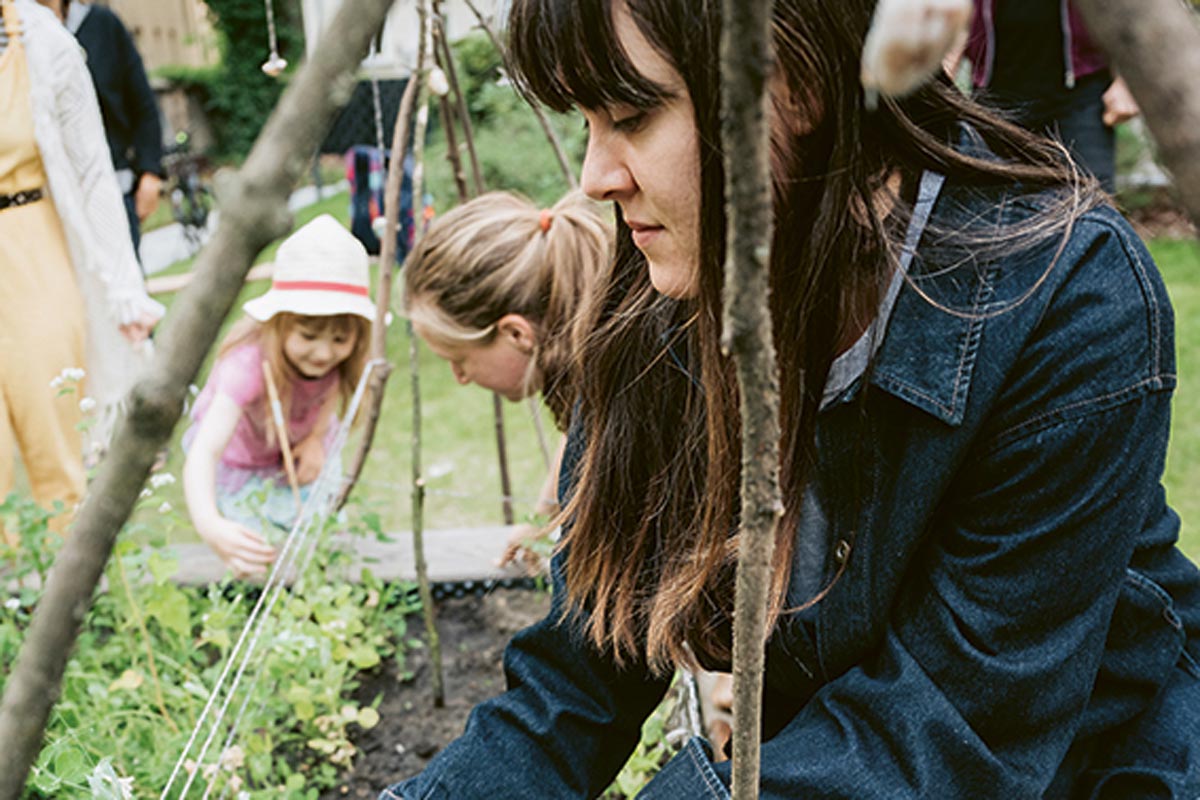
81 182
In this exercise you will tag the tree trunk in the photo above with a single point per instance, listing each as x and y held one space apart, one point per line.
745 40
255 213
1155 46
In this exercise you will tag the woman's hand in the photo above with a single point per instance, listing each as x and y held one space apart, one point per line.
309 456
139 330
245 551
517 550
145 200
1119 105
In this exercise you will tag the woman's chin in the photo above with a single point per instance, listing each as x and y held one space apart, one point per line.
674 281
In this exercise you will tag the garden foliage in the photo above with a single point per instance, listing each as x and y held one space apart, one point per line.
150 650
237 96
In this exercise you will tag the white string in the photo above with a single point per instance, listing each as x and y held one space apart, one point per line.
271 29
319 500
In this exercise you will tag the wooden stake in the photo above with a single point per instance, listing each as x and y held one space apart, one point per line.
289 463
746 335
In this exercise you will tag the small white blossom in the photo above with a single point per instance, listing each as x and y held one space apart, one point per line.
87 404
57 382
164 508
145 493
193 389
438 83
161 479
74 373
12 604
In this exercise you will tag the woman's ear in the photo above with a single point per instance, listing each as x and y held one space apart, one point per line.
518 331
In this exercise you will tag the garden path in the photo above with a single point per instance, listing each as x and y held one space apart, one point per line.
455 555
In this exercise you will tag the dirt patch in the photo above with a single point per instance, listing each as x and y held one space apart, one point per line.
474 632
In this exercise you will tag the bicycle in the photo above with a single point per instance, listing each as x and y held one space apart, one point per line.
190 197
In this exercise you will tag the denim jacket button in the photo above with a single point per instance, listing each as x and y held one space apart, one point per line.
841 552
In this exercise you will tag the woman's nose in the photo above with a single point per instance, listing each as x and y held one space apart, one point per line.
605 176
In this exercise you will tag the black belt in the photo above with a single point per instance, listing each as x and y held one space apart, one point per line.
20 198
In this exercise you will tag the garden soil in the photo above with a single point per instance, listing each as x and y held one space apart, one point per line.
474 632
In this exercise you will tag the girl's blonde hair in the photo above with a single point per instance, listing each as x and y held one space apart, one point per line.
269 336
499 254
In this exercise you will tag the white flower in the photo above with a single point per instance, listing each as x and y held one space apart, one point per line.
164 508
193 389
12 604
74 373
87 404
161 479
438 83
57 382
145 493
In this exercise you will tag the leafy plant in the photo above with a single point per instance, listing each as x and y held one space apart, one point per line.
150 650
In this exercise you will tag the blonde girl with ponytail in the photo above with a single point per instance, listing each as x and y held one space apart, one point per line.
500 289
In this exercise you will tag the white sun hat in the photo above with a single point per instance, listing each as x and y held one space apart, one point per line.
320 270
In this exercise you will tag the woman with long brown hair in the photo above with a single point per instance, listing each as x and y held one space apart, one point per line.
977 590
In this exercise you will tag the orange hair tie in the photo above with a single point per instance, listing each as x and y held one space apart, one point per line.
544 219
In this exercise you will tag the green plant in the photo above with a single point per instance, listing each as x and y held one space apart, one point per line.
662 738
239 95
150 650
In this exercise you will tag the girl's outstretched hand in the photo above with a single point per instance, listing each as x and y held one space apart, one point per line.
246 552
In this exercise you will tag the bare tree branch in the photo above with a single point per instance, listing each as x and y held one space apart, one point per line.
1155 45
383 296
255 208
424 59
747 336
551 136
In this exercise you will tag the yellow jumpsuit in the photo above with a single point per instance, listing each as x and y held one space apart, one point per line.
41 311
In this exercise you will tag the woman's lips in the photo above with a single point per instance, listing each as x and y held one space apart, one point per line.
644 235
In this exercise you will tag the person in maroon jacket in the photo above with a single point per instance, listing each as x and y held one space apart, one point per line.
1035 60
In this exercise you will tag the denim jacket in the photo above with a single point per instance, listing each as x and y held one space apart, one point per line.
1014 619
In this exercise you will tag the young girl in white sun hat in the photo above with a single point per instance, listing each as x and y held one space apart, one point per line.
310 333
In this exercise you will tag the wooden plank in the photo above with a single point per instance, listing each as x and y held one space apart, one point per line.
454 554
165 284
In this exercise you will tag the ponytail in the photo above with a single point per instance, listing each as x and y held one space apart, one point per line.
499 254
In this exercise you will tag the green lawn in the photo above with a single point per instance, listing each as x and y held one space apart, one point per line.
1179 261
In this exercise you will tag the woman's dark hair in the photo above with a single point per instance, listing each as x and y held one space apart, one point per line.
654 515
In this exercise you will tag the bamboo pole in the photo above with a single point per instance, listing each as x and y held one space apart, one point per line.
745 41
289 463
255 214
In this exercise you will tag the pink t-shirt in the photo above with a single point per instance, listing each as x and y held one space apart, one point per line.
238 375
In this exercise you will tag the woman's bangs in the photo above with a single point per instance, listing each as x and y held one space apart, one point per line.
566 53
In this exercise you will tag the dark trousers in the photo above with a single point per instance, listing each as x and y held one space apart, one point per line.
135 226
1079 124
